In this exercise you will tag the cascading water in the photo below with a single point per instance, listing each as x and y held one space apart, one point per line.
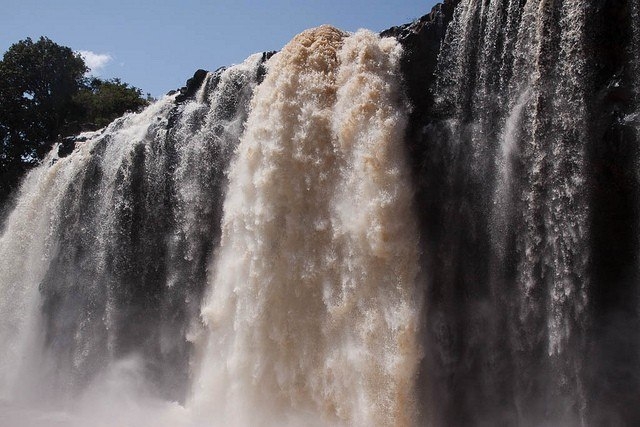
313 303
104 257
514 146
347 232
313 308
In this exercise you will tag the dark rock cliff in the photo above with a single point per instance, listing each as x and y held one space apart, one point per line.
455 221
421 40
614 361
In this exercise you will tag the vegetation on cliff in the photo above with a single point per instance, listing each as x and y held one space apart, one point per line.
46 95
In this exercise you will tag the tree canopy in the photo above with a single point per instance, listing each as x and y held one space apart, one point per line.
46 95
102 101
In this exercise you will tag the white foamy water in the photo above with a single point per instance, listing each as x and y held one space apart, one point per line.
312 306
27 244
312 313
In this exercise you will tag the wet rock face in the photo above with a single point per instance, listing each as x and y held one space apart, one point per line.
615 205
189 90
139 219
421 41
455 228
193 84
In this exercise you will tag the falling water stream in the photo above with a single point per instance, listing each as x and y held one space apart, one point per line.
269 251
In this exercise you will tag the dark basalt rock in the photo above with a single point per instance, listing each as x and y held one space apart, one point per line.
613 157
451 218
66 147
421 40
194 83
192 86
262 70
68 144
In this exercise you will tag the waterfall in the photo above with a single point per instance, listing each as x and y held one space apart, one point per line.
440 229
307 262
525 218
105 255
318 223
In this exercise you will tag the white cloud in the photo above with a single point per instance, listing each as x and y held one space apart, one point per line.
95 61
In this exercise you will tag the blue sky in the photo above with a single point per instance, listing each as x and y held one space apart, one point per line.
157 45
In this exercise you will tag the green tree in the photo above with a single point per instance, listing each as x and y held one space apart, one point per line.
37 83
102 101
45 95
